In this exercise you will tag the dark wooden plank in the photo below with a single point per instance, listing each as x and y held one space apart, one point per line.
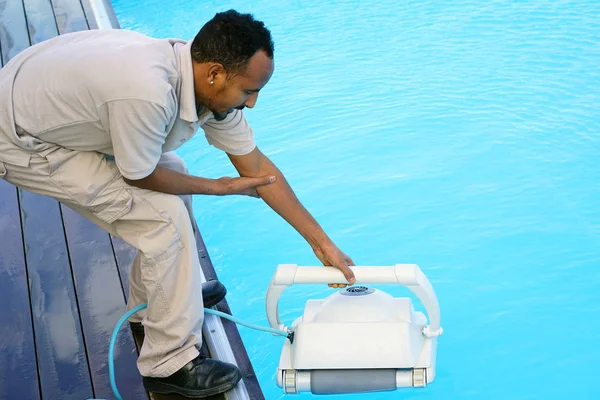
13 31
40 20
88 11
63 366
101 304
18 372
69 16
235 340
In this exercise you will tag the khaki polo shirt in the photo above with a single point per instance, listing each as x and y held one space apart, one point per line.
116 92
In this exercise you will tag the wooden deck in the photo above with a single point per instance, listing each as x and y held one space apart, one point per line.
63 281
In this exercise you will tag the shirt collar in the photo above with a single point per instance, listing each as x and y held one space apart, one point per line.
187 98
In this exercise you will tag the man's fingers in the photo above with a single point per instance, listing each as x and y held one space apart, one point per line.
348 274
337 285
253 183
243 185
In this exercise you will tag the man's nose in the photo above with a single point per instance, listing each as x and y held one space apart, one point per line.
251 100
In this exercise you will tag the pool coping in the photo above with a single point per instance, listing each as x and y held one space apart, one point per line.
100 14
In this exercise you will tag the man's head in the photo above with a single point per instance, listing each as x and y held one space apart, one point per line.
233 59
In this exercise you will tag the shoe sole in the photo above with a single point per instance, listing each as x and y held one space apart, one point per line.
165 388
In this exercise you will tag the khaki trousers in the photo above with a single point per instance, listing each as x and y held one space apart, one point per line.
165 273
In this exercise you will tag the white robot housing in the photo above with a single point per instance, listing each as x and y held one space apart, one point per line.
359 339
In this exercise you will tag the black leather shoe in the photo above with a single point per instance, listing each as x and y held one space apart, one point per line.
201 377
213 292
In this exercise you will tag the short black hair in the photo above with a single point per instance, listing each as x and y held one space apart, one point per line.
231 39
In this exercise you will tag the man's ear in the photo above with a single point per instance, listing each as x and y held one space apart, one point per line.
216 75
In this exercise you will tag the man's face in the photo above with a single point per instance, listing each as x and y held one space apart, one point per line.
228 93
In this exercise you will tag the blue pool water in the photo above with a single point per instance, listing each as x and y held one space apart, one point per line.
463 138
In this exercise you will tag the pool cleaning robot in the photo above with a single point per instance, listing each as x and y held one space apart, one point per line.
359 339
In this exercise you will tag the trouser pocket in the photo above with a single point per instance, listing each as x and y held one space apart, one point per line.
90 181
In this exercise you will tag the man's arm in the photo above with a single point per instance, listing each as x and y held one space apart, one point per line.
281 198
173 182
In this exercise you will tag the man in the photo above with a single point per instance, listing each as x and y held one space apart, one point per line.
91 119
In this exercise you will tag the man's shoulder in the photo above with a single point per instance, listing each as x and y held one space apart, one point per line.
137 67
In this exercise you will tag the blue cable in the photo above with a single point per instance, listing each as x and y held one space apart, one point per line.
113 339
247 324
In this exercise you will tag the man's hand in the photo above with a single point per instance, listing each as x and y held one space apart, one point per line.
243 186
331 256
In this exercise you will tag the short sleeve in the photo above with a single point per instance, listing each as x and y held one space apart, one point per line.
233 135
138 129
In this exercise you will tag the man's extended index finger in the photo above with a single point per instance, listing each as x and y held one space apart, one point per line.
348 274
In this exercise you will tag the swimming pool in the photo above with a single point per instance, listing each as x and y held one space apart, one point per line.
463 138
